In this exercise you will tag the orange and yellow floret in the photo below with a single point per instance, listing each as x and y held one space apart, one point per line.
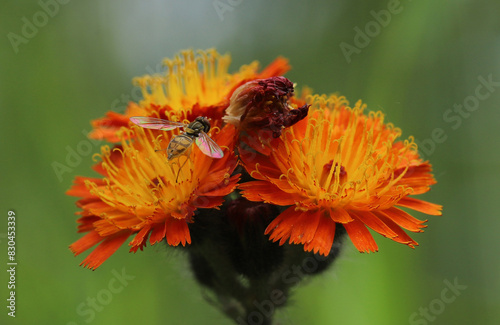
143 193
340 166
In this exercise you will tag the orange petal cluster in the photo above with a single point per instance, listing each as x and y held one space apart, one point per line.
339 166
145 194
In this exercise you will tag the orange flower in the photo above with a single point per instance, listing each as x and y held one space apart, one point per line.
339 166
140 193
190 81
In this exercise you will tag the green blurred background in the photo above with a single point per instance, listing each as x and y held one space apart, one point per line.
427 59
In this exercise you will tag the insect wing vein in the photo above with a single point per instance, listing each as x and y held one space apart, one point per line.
208 146
156 123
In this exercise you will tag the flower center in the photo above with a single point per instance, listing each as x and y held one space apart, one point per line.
330 177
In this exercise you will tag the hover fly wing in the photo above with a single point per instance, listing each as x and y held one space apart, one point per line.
208 146
156 123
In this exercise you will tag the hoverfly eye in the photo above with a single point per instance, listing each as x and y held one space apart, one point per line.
206 127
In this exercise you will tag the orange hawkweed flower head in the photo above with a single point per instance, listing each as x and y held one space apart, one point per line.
251 170
143 193
340 166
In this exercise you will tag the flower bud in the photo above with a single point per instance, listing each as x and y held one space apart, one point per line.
262 104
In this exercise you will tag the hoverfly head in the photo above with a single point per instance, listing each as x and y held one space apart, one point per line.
205 122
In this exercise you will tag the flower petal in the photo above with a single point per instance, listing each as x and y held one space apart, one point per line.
158 233
372 221
276 68
404 219
304 229
361 237
177 232
281 226
323 237
86 242
262 191
80 189
140 239
105 250
340 215
402 237
421 206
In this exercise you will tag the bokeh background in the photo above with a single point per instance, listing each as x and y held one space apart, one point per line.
418 63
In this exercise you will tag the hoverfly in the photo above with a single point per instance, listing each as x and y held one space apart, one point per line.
196 130
179 144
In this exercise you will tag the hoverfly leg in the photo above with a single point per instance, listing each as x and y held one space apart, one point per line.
186 154
179 172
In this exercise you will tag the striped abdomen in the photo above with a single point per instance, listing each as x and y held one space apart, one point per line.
178 145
